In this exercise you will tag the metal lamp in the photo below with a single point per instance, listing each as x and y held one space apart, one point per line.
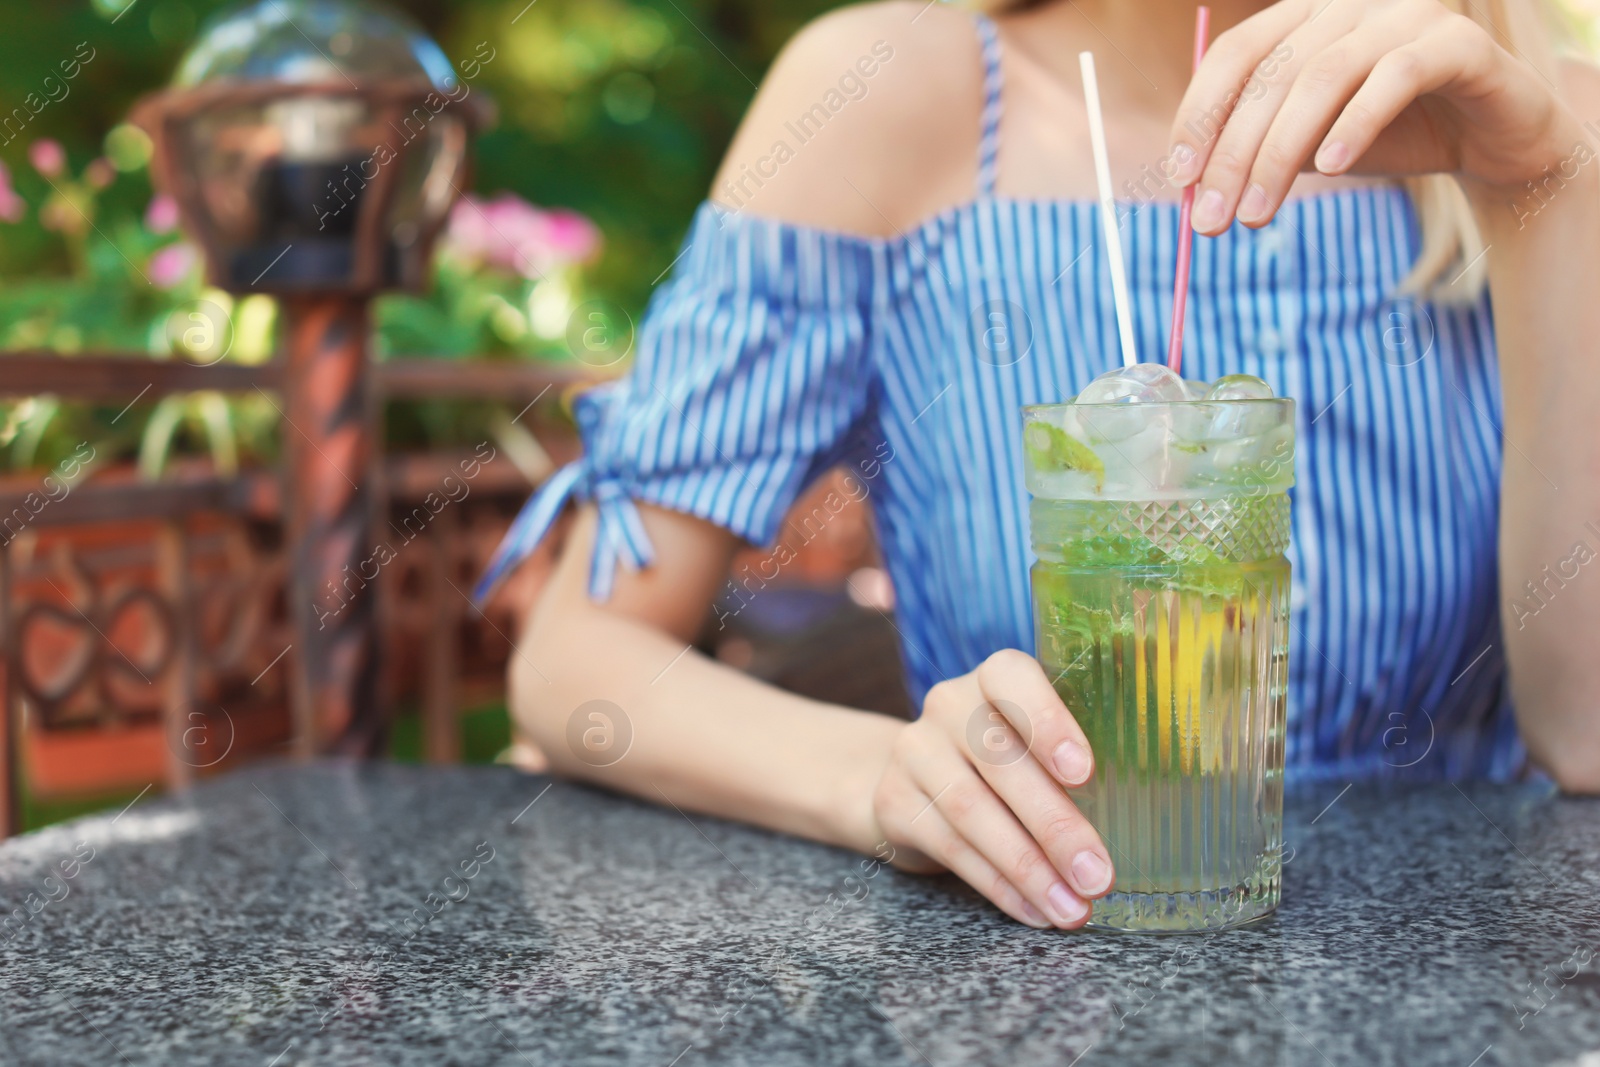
314 148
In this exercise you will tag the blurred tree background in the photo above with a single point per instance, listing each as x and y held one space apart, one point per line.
613 116
615 111
618 109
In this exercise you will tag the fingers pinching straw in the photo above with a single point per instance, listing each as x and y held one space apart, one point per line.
1108 210
1180 287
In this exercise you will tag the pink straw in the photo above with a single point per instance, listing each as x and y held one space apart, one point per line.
1180 288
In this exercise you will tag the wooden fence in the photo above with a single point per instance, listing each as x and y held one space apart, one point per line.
145 627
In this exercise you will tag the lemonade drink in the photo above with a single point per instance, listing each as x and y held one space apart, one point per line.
1161 599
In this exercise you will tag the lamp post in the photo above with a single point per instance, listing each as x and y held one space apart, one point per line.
314 148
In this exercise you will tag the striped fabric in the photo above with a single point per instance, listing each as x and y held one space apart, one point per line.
777 352
994 85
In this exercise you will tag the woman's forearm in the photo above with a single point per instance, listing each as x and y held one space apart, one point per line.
684 729
678 728
1547 320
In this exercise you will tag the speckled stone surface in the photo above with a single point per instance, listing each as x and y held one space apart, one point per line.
281 916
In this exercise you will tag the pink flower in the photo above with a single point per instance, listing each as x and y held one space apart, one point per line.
162 214
174 263
47 157
511 234
12 207
572 235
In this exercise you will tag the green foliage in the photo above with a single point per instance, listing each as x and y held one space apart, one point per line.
616 109
619 109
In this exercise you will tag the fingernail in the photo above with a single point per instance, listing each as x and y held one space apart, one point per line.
1091 873
1073 762
1208 211
1034 917
1067 907
1334 157
1254 206
1183 159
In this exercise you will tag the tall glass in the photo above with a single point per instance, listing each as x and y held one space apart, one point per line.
1161 608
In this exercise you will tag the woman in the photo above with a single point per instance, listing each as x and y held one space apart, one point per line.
913 177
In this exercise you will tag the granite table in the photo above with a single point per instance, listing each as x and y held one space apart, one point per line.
373 914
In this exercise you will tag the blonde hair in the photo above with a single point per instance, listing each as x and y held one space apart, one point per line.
1450 265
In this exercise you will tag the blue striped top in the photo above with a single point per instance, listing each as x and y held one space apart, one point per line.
777 352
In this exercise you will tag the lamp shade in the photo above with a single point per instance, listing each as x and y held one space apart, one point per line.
313 146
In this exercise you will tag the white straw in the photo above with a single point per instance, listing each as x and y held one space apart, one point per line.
1108 209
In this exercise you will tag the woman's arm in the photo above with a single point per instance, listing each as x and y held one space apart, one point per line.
709 737
1544 264
703 736
681 729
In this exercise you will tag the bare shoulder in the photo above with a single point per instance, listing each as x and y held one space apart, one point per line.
867 123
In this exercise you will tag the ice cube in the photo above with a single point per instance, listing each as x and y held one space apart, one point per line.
1191 423
1142 383
1241 420
1109 423
1195 390
1143 462
1231 455
1262 461
1107 405
1278 443
1209 422
1274 458
1239 387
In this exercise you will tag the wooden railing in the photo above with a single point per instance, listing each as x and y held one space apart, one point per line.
110 378
213 546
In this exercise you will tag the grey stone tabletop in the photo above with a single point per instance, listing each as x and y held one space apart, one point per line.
368 913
